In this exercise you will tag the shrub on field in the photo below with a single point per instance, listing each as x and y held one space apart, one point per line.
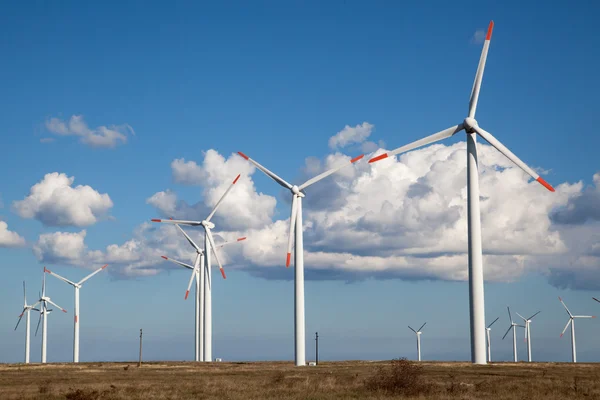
400 377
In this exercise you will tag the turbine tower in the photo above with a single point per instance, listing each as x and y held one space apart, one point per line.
76 286
26 310
296 230
513 326
418 333
198 274
44 311
572 322
489 339
472 128
209 244
528 333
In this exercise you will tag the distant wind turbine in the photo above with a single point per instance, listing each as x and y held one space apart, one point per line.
489 340
572 322
418 333
26 310
528 333
513 326
44 311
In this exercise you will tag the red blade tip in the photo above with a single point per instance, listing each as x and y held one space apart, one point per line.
223 273
242 238
64 311
355 159
561 335
379 157
287 261
76 319
187 292
236 179
243 155
105 266
490 29
156 220
545 184
593 316
559 298
165 257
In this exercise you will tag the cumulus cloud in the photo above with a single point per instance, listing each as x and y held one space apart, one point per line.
350 135
583 207
479 36
401 218
9 238
55 202
101 136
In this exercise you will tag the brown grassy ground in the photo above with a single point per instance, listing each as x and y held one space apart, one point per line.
271 380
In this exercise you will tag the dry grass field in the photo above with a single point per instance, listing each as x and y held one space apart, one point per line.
281 380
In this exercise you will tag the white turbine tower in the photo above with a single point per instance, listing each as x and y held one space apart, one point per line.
209 244
472 128
44 311
296 229
26 310
198 274
528 333
513 326
489 339
418 333
572 322
76 286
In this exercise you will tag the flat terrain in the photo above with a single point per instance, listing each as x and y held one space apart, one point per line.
281 380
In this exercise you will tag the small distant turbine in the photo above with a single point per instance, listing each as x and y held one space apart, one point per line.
513 326
26 310
572 322
528 333
489 341
418 333
44 311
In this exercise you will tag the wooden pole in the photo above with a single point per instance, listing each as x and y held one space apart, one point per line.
140 362
317 348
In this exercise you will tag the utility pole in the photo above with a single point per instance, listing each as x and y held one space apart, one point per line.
140 362
317 348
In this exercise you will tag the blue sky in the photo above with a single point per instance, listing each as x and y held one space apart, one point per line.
277 81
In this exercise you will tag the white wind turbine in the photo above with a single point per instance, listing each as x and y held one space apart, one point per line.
26 310
76 286
471 127
513 326
572 322
489 339
44 300
209 244
528 333
296 229
418 333
199 275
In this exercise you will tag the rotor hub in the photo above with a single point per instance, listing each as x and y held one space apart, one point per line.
208 224
296 190
469 124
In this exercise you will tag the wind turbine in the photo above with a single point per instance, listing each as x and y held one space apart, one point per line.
209 244
296 229
26 310
76 286
528 333
596 299
44 314
572 322
513 326
489 340
198 274
418 333
472 128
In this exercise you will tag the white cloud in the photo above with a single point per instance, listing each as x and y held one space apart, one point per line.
9 238
478 37
401 218
350 135
47 140
54 202
101 136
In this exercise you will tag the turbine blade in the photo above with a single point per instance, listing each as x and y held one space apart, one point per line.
584 316
421 142
293 217
596 299
38 324
189 239
510 155
177 221
422 327
411 329
267 172
479 75
24 296
188 266
507 332
214 250
56 305
92 274
530 318
565 306
522 317
232 242
46 270
222 197
20 317
194 269
329 172
490 325
509 316
566 326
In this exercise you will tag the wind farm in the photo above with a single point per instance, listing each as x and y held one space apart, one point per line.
151 146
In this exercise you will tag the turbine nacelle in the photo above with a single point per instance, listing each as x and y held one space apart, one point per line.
208 224
296 190
470 124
